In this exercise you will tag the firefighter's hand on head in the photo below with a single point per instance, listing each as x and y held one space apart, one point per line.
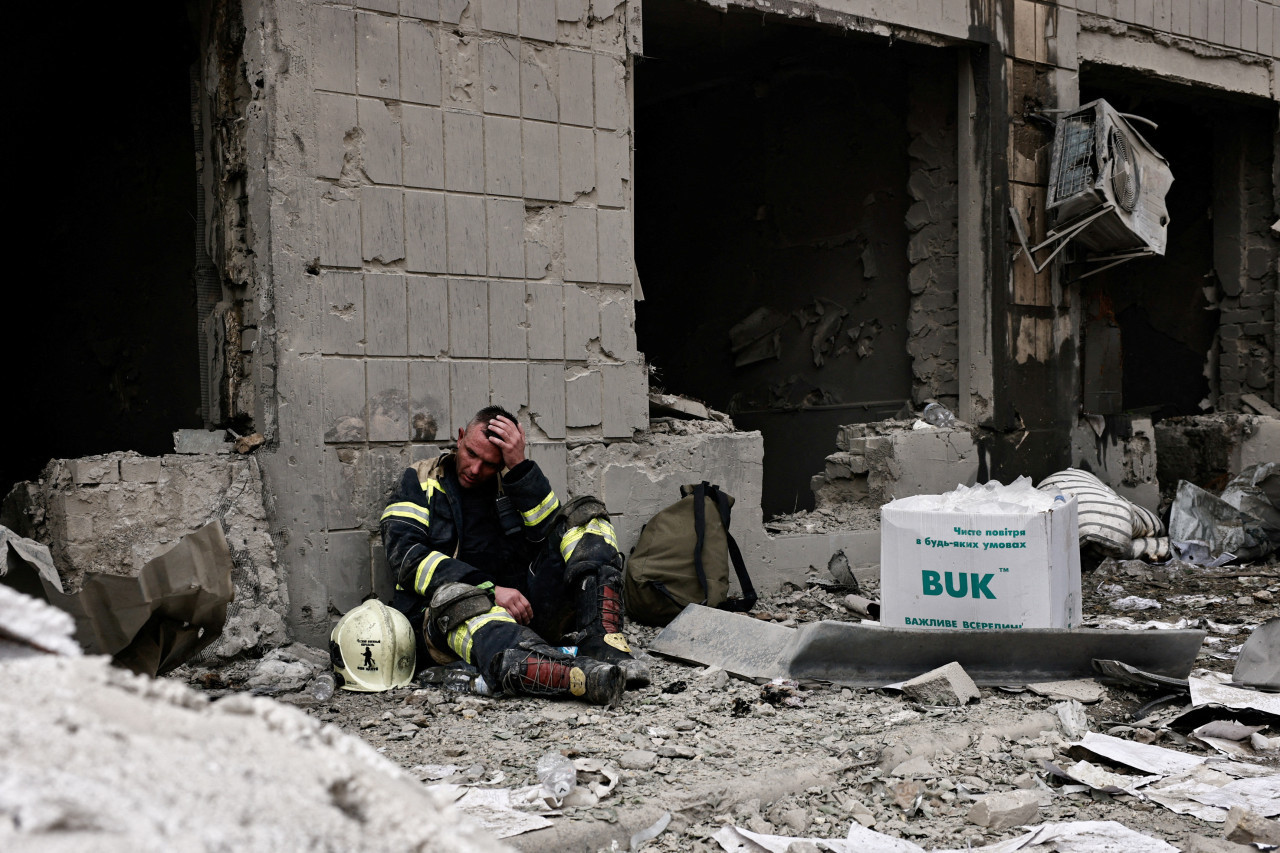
508 436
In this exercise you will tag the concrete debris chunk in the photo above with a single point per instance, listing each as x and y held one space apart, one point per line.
191 441
637 759
1205 844
999 812
946 685
1246 827
29 626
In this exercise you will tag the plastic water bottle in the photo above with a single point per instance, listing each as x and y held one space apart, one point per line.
322 687
456 678
938 415
557 775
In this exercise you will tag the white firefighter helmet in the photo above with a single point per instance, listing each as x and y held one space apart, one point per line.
372 648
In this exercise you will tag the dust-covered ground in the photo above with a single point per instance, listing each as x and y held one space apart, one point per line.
711 749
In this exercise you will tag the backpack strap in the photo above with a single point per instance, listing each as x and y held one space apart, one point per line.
700 530
748 600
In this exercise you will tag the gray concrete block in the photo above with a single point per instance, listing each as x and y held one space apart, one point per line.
572 11
1199 19
611 94
946 685
1005 810
542 231
97 470
465 234
617 329
541 160
624 399
391 7
377 56
546 321
338 212
1216 24
577 99
613 168
343 408
1249 25
505 237
547 398
1144 13
424 221
386 315
1232 20
333 54
343 476
499 16
502 172
192 441
1268 23
463 152
508 321
500 74
509 384
538 19
381 141
1180 17
382 224
581 322
423 129
140 470
429 400
582 397
345 564
335 118
580 244
79 528
460 69
451 10
552 459
428 301
537 75
468 318
615 247
469 391
342 328
388 400
577 162
426 10
420 76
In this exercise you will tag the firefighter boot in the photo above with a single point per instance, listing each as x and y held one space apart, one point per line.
599 615
540 670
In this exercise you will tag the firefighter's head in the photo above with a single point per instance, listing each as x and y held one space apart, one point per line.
479 459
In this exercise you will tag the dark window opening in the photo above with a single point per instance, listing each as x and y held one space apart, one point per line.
1166 309
102 345
771 168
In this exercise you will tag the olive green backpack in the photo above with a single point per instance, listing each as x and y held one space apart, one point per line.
682 557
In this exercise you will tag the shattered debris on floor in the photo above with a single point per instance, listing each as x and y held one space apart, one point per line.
721 755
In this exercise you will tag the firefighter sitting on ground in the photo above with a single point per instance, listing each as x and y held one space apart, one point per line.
489 568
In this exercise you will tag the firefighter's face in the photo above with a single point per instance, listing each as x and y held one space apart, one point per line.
479 459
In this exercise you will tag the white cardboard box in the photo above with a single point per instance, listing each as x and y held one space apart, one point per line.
982 571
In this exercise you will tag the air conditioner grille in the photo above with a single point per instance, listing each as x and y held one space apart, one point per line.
1123 176
1077 172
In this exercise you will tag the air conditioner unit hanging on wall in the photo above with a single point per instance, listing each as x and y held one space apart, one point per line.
1106 189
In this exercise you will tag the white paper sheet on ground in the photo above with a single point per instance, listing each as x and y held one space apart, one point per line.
1086 836
1106 780
1206 692
492 809
1261 795
1140 756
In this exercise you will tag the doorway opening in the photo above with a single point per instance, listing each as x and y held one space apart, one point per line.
795 226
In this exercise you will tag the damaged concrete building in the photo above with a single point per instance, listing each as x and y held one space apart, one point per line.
346 227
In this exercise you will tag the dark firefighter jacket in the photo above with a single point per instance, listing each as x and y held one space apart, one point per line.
424 526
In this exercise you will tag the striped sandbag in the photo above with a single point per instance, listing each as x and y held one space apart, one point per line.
1145 522
1106 519
1153 549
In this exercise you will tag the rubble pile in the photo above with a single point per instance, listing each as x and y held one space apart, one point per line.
807 761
